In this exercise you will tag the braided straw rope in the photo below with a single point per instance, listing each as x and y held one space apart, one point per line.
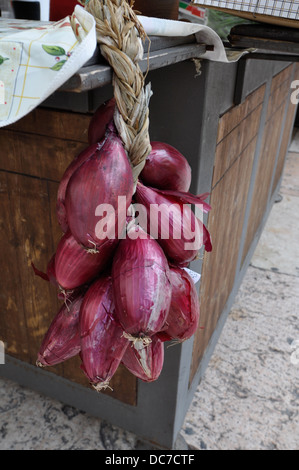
120 36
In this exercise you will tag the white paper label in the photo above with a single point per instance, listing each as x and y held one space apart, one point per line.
195 276
2 353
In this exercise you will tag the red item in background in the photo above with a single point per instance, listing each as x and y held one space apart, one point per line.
59 9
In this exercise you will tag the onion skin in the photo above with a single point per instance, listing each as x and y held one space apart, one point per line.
141 286
100 120
74 266
50 274
182 222
62 340
102 342
183 318
76 163
51 271
145 363
166 168
101 179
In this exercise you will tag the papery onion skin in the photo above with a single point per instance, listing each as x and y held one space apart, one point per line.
102 179
166 168
182 225
62 340
50 274
141 286
75 164
51 270
100 120
184 312
102 342
145 363
75 266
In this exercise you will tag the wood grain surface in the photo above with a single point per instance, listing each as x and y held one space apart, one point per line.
168 9
237 137
34 153
277 105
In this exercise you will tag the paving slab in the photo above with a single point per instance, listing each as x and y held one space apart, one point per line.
290 182
278 247
30 421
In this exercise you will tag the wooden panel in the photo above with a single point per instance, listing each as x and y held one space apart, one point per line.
272 132
228 201
29 218
279 93
235 142
231 120
34 164
278 79
52 123
235 151
12 319
124 385
35 155
160 8
288 128
54 227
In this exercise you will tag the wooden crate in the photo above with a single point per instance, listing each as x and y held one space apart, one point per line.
40 147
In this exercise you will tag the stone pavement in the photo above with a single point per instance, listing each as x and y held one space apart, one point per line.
249 395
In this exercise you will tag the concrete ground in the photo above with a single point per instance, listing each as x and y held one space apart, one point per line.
249 396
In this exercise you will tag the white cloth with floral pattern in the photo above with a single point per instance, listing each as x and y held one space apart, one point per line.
37 58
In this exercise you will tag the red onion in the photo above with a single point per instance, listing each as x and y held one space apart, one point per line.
141 286
145 363
62 340
76 163
100 181
99 121
178 231
75 266
182 320
102 342
166 168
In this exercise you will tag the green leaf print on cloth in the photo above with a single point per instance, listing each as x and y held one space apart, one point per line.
2 59
56 51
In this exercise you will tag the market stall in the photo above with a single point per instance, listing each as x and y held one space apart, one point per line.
233 122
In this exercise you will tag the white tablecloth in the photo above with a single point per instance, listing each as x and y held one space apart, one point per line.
36 58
